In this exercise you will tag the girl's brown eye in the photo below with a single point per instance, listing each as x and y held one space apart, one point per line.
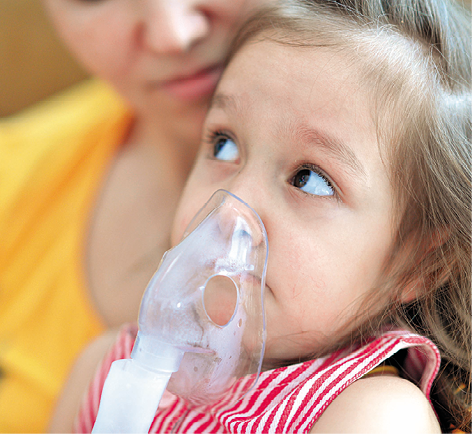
301 178
312 182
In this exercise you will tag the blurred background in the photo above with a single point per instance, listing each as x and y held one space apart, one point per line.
33 62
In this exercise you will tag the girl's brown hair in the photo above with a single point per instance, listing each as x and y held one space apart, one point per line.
415 57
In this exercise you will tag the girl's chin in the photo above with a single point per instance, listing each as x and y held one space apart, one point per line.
277 359
275 363
290 352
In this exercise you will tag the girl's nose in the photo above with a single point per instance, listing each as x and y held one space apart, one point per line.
173 26
241 220
240 225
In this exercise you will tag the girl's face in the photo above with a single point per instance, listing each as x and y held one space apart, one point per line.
290 132
157 53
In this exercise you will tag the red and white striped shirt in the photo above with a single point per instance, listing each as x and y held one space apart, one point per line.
288 399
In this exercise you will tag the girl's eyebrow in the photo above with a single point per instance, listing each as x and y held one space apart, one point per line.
309 136
302 132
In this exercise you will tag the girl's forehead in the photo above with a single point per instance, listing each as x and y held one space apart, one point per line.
381 68
294 77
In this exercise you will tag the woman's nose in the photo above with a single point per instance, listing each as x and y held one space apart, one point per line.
173 26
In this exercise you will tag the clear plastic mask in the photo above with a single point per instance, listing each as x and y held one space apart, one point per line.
207 299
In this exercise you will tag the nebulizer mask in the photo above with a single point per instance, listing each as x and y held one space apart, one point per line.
201 320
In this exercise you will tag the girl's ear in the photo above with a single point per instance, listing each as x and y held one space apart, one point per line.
424 267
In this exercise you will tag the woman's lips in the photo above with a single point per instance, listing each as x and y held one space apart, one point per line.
195 86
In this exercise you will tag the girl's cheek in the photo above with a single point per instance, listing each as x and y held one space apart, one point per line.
178 229
183 217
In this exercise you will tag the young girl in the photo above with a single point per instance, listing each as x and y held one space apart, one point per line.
346 126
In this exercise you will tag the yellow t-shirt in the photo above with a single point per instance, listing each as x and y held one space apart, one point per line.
53 158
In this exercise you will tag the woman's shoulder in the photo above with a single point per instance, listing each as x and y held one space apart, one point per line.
81 105
379 404
57 133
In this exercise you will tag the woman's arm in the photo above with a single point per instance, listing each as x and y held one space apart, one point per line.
380 404
81 374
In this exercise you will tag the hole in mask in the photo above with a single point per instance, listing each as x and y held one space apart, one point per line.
220 299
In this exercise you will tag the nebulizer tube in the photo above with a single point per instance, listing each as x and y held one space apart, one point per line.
201 320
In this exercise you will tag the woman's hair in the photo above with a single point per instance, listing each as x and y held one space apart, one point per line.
414 56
